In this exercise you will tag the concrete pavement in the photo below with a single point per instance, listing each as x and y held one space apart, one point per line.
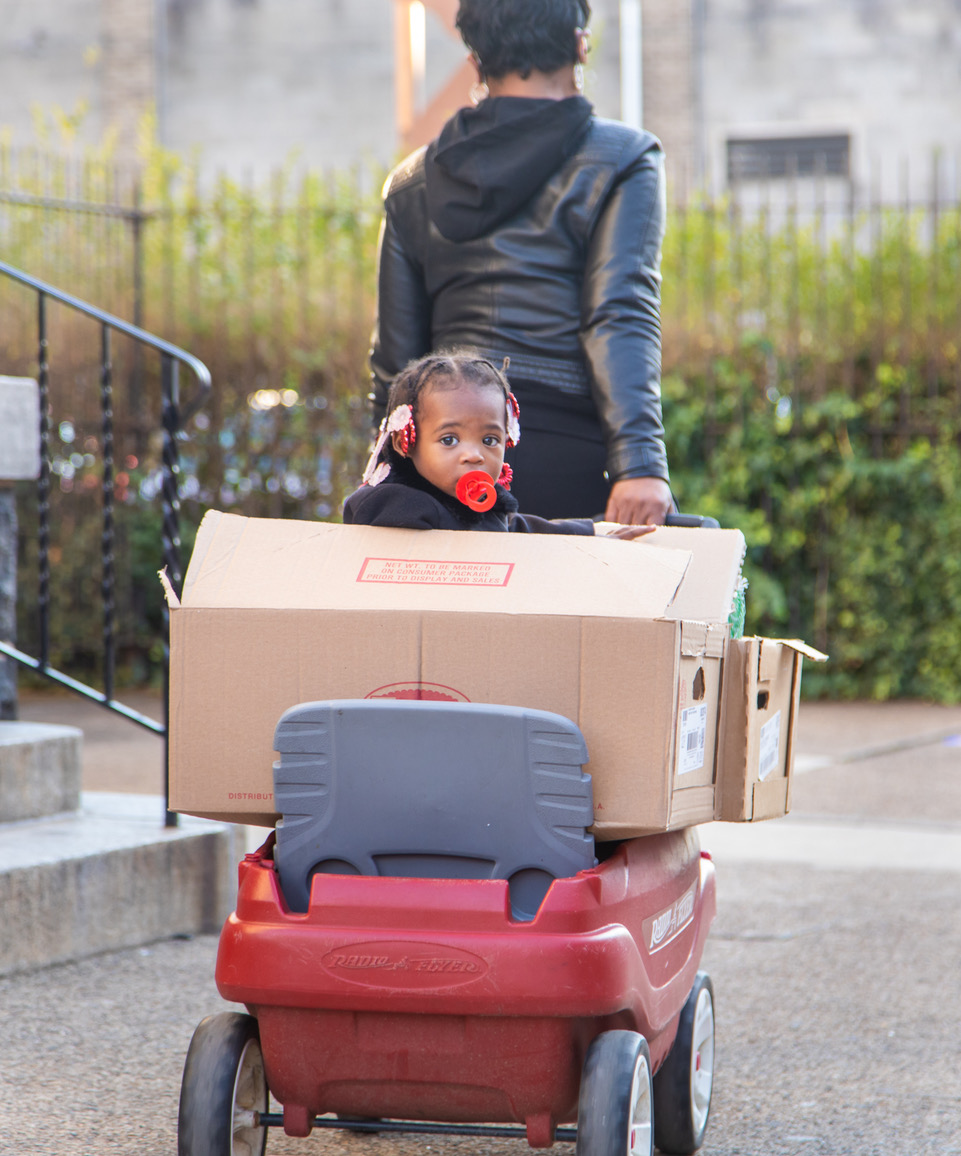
834 957
877 785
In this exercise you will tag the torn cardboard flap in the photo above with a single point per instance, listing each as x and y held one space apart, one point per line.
770 656
703 639
169 593
710 584
800 647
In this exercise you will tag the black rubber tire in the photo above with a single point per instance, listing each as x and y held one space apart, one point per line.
615 1108
685 1081
223 1074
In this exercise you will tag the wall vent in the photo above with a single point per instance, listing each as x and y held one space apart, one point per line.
775 158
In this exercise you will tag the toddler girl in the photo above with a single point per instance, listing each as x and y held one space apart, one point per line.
449 415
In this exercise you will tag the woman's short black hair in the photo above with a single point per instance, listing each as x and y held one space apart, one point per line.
520 35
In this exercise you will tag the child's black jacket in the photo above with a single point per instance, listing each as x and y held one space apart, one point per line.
404 499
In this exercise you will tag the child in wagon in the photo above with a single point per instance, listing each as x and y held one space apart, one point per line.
438 462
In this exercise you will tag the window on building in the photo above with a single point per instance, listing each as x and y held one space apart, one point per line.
763 158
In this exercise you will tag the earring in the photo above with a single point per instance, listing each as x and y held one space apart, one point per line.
579 77
479 92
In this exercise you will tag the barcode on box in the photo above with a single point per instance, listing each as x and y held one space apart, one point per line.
692 739
770 745
423 572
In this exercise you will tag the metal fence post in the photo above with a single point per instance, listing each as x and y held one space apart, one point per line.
171 540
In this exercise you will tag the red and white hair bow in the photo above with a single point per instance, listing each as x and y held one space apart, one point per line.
397 420
513 421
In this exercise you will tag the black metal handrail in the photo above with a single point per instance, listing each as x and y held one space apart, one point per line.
174 415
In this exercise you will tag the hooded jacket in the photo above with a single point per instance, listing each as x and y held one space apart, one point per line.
408 501
532 229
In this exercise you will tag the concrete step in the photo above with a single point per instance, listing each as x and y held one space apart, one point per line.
40 770
110 876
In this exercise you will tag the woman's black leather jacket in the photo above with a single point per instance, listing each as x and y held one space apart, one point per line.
568 287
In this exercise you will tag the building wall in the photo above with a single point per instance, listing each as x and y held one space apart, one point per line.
250 83
128 66
886 72
246 83
669 76
49 56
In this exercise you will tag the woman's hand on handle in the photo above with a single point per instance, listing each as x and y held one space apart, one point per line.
639 502
625 533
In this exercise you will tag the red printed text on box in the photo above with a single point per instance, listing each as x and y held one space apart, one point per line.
423 572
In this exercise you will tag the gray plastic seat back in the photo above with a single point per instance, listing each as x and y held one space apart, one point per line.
431 790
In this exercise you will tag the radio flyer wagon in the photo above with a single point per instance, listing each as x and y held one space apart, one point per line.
430 941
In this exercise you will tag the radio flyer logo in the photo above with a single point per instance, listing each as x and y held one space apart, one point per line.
668 924
419 692
397 964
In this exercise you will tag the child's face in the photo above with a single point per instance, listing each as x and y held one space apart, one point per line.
459 430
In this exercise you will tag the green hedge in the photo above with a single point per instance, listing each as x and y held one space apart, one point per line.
859 554
854 535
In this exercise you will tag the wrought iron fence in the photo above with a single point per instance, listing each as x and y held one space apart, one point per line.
835 282
273 285
173 415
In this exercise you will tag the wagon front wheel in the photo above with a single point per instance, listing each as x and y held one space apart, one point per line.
685 1081
615 1109
223 1090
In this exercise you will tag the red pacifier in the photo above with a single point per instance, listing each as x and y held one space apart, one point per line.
476 490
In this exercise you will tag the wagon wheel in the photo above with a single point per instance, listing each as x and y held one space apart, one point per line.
223 1087
614 1112
683 1084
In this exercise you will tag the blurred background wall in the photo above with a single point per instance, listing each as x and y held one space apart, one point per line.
738 90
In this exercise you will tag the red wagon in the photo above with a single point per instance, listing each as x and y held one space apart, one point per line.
489 992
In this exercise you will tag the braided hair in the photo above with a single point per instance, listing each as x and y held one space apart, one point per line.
445 371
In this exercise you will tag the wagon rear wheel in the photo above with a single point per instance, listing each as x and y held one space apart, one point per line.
615 1109
223 1089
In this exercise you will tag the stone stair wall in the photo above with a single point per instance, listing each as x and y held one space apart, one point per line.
87 872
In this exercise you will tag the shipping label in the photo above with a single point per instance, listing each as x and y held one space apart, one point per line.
690 755
423 572
769 747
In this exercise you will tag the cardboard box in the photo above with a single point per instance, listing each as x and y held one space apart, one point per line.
624 638
759 709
